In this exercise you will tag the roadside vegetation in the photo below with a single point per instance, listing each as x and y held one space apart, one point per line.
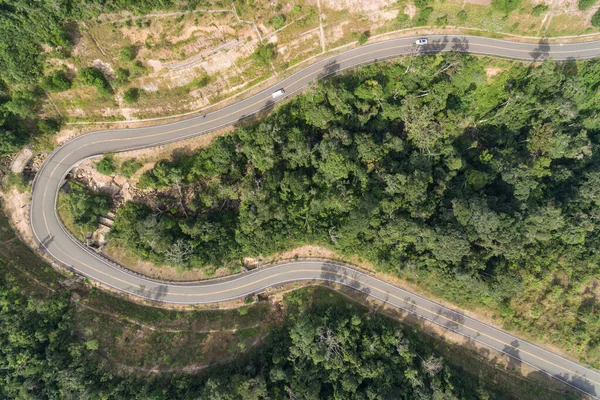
109 166
479 188
82 342
83 208
56 64
25 28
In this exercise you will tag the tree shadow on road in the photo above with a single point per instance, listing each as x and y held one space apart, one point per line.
333 274
329 68
156 293
542 51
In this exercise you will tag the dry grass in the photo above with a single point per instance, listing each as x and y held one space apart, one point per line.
191 39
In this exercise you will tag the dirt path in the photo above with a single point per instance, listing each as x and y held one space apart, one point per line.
321 31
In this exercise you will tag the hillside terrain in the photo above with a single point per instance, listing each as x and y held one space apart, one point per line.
472 180
81 342
480 188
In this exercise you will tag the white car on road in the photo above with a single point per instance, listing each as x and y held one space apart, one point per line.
278 93
421 41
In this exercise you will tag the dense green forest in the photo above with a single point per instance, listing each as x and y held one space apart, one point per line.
318 351
26 26
486 188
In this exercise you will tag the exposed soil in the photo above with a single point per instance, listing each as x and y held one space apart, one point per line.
410 10
490 72
16 206
21 159
357 6
479 2
177 149
335 33
105 67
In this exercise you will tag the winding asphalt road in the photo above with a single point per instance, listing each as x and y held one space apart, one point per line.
64 249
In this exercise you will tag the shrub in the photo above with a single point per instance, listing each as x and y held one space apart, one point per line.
122 76
17 181
421 4
297 9
137 68
23 103
129 167
128 53
596 19
442 21
264 54
92 76
462 15
146 181
539 10
131 95
9 142
86 206
362 39
506 6
48 126
585 4
424 15
201 81
56 82
106 166
402 20
278 21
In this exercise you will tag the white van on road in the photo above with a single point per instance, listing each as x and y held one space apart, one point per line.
278 93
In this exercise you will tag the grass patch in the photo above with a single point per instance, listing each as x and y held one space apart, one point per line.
17 181
585 4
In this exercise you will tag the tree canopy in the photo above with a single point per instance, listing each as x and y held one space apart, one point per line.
422 165
319 351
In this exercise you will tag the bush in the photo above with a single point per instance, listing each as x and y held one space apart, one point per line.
462 15
506 6
442 21
362 39
596 19
23 103
56 82
402 20
17 181
424 15
146 181
9 142
297 9
92 76
278 21
137 68
264 54
421 4
106 166
122 76
585 4
129 167
86 206
48 126
131 95
128 53
200 82
539 10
